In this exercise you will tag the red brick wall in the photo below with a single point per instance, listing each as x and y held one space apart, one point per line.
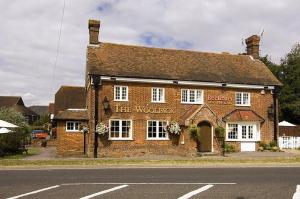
140 94
68 143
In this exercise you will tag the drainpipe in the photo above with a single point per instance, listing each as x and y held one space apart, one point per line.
96 83
275 102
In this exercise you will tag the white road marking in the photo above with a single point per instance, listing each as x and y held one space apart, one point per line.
147 183
103 192
34 192
297 193
195 192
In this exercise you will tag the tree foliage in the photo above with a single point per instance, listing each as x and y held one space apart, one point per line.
11 143
288 72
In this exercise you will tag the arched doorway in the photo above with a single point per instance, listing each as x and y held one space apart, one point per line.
205 136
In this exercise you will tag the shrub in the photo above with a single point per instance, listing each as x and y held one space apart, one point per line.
220 132
194 131
275 148
273 144
229 148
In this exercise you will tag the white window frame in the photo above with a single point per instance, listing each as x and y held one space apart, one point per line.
256 131
121 88
242 99
157 95
72 130
188 96
120 130
157 130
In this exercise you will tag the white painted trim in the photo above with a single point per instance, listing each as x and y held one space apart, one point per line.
256 132
76 130
212 138
157 132
120 132
242 98
121 87
195 192
188 96
297 193
195 83
163 95
34 192
105 191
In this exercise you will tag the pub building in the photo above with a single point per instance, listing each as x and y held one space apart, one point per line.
134 93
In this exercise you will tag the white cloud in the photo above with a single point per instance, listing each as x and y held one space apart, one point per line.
29 33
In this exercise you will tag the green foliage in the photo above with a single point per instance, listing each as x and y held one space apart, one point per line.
220 132
273 144
229 148
194 131
11 143
42 121
288 72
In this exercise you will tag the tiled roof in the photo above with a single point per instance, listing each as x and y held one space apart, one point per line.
145 62
70 97
40 110
289 131
72 115
8 101
239 115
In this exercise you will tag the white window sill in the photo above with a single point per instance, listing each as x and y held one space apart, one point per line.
200 103
156 102
120 100
73 131
243 105
157 139
120 139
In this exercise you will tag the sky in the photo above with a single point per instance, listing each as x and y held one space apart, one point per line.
29 34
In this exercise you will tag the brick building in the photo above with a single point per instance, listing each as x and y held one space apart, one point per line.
136 91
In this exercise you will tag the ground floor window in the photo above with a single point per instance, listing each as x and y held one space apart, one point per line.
72 126
243 132
120 129
156 130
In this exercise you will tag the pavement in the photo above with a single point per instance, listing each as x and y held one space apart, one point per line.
46 153
137 183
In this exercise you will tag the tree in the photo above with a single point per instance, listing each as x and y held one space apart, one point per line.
11 143
288 72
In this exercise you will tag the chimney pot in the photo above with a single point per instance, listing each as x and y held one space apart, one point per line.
94 26
253 46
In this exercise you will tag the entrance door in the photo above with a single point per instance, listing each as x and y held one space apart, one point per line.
205 136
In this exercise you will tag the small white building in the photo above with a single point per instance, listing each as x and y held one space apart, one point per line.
289 135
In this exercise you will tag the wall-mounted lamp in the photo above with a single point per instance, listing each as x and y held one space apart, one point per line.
105 103
175 82
113 78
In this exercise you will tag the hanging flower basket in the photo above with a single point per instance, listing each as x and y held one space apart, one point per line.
101 128
173 127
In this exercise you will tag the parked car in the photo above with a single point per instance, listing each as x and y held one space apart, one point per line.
39 134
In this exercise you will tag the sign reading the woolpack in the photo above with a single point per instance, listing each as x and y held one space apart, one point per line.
219 99
143 109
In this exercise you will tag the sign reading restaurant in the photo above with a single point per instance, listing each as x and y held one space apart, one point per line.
143 109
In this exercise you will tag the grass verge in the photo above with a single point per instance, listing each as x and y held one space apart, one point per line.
143 163
31 151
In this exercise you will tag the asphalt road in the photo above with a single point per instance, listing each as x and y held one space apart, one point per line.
143 183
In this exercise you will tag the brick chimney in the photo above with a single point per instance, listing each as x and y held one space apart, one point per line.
94 26
253 46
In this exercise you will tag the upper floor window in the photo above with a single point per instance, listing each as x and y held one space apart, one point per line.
158 95
192 96
121 93
72 126
120 130
156 130
242 99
